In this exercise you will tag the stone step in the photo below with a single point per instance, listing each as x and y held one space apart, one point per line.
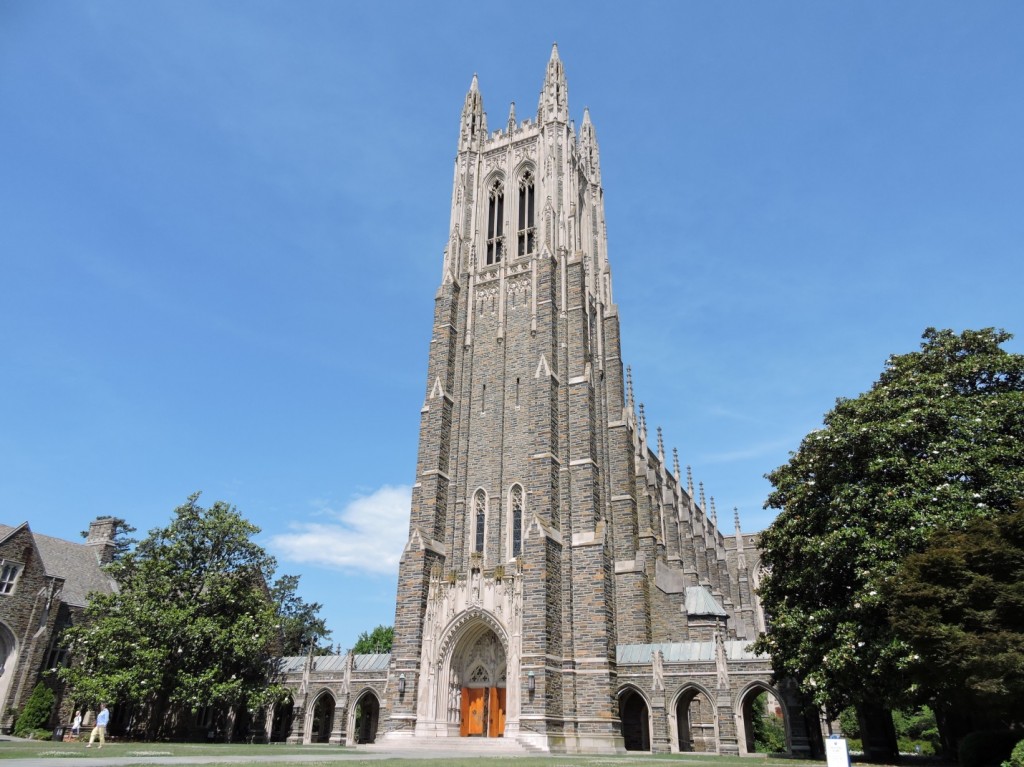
454 744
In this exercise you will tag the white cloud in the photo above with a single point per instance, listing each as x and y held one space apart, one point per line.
367 535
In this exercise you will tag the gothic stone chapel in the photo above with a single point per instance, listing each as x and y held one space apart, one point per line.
561 590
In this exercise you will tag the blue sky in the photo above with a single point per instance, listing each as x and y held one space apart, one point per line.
221 230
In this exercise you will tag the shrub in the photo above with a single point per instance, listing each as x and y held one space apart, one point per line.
36 714
1016 756
986 749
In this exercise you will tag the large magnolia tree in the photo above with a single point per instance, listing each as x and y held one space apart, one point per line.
193 624
936 442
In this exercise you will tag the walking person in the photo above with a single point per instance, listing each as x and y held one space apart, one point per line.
101 726
76 724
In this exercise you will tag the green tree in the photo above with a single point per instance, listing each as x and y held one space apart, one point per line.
301 627
959 606
36 713
769 732
377 641
934 442
193 623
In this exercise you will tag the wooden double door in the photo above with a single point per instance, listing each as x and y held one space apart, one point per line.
483 712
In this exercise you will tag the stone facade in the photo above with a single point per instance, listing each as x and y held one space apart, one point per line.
44 587
334 699
549 538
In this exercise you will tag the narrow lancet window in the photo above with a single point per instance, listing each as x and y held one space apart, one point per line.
480 510
527 230
517 520
495 223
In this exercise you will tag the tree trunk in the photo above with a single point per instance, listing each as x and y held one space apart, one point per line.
953 724
877 733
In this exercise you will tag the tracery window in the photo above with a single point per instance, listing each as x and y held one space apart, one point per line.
495 223
527 229
480 511
516 502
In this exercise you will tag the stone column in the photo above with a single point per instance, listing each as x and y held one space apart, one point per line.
660 740
297 737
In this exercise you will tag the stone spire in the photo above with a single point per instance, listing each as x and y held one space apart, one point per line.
588 149
675 465
643 423
661 447
689 481
703 506
474 123
511 117
629 387
554 97
714 514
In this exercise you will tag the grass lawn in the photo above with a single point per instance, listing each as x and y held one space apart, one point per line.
314 755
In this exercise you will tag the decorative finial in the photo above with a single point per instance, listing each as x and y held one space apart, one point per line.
689 480
629 386
736 518
512 117
474 85
661 446
714 513
703 505
643 421
675 465
586 115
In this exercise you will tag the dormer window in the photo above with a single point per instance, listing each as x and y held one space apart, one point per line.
9 572
527 232
495 223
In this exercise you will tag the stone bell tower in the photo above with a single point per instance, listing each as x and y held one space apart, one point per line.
505 622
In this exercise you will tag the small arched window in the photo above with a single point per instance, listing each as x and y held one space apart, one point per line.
480 515
516 502
527 229
495 222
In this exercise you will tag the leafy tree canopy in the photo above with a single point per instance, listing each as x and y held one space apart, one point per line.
935 442
377 641
193 623
301 627
959 605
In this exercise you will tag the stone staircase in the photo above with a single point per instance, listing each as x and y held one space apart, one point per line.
455 746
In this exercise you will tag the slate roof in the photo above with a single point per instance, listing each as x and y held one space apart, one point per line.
294 664
76 563
682 652
700 602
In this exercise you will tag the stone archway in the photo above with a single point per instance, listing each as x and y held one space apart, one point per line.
8 661
763 726
478 683
281 721
366 718
636 720
321 719
696 721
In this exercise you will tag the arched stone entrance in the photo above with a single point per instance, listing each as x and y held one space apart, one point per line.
321 719
366 718
696 721
8 660
636 720
762 727
281 721
479 675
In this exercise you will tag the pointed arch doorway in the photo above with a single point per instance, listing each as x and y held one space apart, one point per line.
479 671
